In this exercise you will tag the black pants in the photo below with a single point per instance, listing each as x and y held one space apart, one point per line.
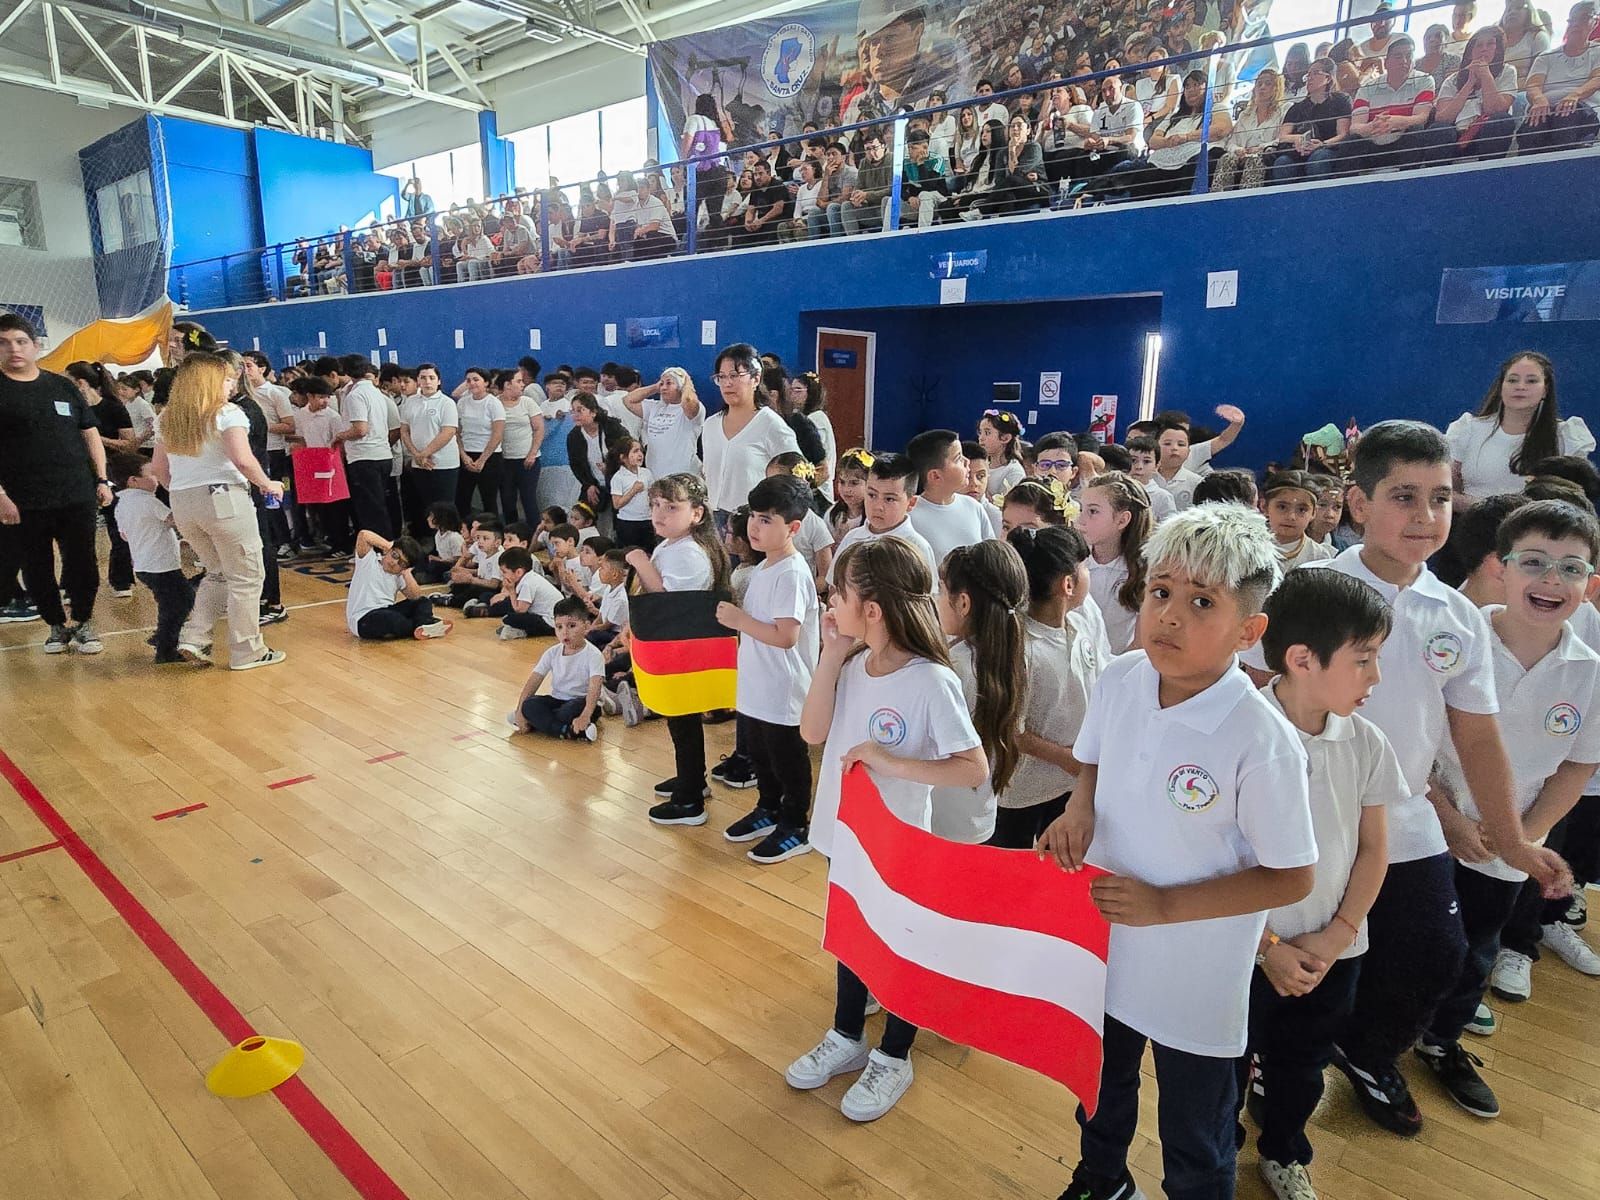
1576 838
520 483
688 735
367 479
529 622
1197 1114
174 598
635 533
435 486
1065 164
783 770
330 523
462 593
850 1017
11 589
271 588
1415 948
400 620
71 529
1486 906
1493 140
552 716
486 483
1577 128
119 572
1019 828
287 526
1293 1036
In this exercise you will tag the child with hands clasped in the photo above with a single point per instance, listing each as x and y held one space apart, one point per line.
630 493
883 695
1548 682
689 558
777 627
1324 630
575 670
1204 822
1438 684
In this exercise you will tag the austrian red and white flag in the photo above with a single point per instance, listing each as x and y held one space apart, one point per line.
994 949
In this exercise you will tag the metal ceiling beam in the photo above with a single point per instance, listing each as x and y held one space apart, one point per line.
394 27
282 11
93 89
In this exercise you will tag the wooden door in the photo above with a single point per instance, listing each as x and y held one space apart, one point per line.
844 364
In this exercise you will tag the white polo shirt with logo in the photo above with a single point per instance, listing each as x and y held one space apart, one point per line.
1203 789
1435 658
1547 717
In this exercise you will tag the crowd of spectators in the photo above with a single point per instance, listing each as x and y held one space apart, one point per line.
1468 91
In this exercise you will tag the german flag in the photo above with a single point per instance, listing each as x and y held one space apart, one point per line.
683 660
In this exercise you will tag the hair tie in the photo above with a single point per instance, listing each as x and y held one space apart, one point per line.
804 470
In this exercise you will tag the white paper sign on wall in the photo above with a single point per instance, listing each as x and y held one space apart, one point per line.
461 339
383 337
1049 387
535 339
611 333
953 291
708 333
1222 289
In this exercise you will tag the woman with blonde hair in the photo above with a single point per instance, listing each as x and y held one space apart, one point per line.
1244 153
202 455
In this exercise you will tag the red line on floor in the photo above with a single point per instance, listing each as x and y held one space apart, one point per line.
178 812
365 1175
386 757
461 737
29 852
283 783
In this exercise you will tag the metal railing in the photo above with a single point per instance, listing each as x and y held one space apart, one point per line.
342 263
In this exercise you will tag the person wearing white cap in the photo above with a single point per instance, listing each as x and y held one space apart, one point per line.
899 76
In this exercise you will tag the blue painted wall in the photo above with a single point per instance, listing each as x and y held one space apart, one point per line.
1335 317
310 187
212 192
1097 345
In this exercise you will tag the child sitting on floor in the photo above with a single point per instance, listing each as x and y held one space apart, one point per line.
527 600
478 582
575 670
449 544
381 569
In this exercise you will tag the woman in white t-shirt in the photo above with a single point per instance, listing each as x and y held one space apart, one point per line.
479 433
202 456
428 425
1518 425
1476 99
519 448
1526 37
807 396
706 131
1176 144
1244 152
742 439
672 416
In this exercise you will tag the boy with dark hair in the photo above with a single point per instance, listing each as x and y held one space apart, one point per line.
1468 560
381 569
1324 630
1204 831
1144 454
891 496
1232 486
777 623
944 514
1548 684
145 523
1438 683
575 670
1573 468
527 600
473 584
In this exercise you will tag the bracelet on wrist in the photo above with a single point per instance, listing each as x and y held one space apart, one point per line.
1348 924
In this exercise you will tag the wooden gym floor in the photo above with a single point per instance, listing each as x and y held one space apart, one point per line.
508 983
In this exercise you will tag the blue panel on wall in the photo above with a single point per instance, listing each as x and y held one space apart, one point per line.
130 279
211 185
309 187
1335 316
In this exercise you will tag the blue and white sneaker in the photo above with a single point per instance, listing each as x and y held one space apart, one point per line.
751 826
782 843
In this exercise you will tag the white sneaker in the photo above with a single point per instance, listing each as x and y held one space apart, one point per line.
633 709
591 731
1512 977
878 1090
834 1055
1288 1181
609 704
1570 948
270 659
971 214
510 633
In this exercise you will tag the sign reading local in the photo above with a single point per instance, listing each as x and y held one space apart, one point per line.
1531 292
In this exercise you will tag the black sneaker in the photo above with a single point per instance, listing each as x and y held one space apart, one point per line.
1457 1069
1255 1096
17 612
672 812
273 614
1383 1095
666 787
723 763
737 772
782 843
1086 1185
750 826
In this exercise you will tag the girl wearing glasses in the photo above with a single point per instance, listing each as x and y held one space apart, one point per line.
1518 424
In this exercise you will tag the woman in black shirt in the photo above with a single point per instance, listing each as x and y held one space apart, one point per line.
111 418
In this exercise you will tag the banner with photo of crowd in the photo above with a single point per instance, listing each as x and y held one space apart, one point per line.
857 60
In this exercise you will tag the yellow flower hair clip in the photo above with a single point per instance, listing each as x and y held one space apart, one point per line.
1065 504
804 470
858 455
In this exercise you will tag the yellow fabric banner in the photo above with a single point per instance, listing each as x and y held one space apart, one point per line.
122 342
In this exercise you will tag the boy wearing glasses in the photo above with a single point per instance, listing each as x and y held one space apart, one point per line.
1548 682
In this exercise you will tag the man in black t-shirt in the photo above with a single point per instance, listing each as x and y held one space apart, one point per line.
769 200
1319 123
52 483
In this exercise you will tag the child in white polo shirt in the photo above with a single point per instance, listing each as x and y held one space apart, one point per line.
1193 795
777 625
146 525
527 601
1324 630
1437 683
891 494
1548 683
944 514
575 670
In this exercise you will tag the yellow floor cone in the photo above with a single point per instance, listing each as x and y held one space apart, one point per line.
255 1065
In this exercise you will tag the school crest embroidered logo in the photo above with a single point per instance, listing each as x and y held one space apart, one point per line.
1442 653
1563 720
887 727
1192 789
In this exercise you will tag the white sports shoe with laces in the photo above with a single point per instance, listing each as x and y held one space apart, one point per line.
880 1087
834 1055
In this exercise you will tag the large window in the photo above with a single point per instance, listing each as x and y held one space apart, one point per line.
127 213
19 214
450 176
576 149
